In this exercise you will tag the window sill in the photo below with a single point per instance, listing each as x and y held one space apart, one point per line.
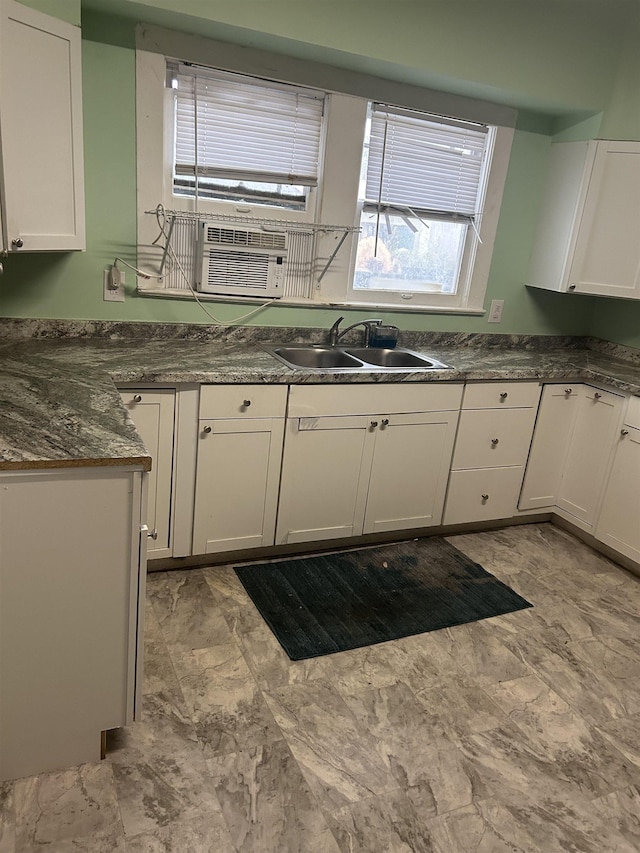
166 293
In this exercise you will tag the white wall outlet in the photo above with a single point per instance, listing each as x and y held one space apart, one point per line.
113 284
495 312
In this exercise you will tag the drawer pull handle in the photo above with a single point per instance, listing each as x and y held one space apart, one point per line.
206 429
503 395
374 424
384 422
485 498
568 390
246 403
137 398
597 396
624 432
495 441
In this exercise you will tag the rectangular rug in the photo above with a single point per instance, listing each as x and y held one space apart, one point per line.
333 602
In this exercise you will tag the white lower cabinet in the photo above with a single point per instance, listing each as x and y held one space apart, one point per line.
238 467
153 413
619 519
571 449
554 427
588 457
70 613
365 459
494 435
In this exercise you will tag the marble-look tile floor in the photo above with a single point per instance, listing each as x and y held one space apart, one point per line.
518 733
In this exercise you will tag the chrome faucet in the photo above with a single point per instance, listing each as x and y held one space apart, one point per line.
335 333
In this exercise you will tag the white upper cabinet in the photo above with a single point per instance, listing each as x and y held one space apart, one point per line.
42 172
587 236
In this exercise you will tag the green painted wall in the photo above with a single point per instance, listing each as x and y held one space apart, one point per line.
67 10
556 55
70 285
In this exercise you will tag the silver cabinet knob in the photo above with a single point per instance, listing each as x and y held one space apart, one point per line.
571 287
503 395
597 396
495 441
624 432
485 498
374 424
246 403
206 429
137 398
153 534
18 242
568 390
384 422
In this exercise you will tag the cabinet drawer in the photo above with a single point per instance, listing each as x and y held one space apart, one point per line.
250 401
492 438
505 395
373 399
481 495
564 389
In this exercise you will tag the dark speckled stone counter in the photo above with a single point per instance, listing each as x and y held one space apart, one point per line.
59 406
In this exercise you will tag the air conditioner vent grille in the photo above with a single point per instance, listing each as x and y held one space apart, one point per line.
228 271
220 236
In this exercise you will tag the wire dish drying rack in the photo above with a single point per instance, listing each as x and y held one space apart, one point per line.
305 266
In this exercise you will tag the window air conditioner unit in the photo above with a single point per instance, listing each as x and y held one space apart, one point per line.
233 260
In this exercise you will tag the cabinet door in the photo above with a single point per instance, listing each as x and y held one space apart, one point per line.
69 614
237 484
325 475
409 471
619 520
41 116
607 253
567 178
589 451
550 445
153 415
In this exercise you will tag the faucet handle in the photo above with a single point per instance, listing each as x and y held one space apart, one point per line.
333 332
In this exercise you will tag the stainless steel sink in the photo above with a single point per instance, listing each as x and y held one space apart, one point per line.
394 358
315 358
361 359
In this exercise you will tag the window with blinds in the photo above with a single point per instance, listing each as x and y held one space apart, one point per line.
242 139
421 196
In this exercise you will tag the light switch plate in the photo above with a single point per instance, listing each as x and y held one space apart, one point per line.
495 312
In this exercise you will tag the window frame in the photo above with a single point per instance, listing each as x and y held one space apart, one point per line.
337 203
473 241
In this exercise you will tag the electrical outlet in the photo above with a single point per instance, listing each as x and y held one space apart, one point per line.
113 284
495 312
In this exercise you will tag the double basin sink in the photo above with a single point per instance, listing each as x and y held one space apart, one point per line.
353 358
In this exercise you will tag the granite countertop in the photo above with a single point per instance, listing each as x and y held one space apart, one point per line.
59 406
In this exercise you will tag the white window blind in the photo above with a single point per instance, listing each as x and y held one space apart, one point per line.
240 128
427 164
